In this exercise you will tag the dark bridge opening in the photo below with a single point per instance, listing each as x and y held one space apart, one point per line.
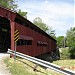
5 34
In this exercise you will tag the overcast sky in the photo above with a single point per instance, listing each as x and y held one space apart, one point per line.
59 14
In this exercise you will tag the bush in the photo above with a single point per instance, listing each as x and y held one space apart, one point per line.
64 54
72 52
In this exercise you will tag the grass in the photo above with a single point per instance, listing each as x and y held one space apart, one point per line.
68 63
26 68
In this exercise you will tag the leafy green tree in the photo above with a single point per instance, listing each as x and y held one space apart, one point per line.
71 41
24 14
60 41
38 22
9 4
51 32
12 5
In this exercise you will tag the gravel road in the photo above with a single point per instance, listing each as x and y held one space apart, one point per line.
3 69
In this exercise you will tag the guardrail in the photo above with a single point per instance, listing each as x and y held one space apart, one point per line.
43 63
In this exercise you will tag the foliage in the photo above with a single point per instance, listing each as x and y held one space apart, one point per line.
64 53
12 5
9 4
70 41
24 14
51 32
60 41
38 22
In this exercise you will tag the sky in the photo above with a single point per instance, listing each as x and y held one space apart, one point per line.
58 14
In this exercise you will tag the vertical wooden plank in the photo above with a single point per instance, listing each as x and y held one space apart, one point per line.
12 35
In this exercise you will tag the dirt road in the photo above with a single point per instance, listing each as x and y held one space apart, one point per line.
3 69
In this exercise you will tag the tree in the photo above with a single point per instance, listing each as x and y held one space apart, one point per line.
71 41
24 14
9 4
60 41
12 5
51 32
38 22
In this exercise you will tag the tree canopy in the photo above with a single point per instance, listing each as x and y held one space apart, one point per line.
12 5
39 23
9 4
60 41
24 14
70 35
51 32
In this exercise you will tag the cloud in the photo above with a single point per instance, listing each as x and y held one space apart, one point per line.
46 1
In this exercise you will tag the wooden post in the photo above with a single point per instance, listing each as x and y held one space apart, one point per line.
34 69
15 51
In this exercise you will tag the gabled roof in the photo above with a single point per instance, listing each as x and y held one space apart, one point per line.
7 9
27 21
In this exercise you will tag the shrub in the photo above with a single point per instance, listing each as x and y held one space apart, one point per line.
64 54
72 52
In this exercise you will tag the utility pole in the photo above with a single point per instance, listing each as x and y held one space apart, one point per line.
64 42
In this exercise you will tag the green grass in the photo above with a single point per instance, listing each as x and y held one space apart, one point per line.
26 67
68 63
